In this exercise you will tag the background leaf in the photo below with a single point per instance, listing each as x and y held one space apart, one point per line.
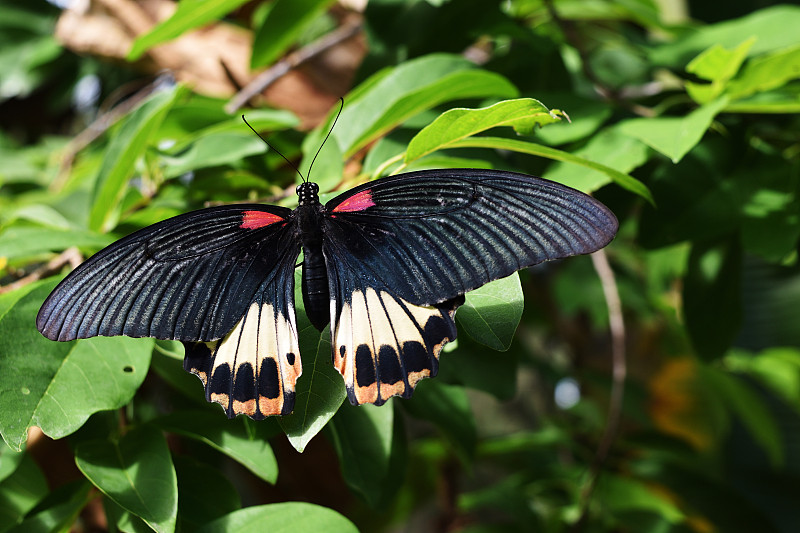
136 472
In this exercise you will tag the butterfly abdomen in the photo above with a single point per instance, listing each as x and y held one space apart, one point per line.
316 294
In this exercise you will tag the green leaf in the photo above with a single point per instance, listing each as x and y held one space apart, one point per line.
752 410
58 385
320 389
213 150
198 117
125 147
227 436
393 96
623 180
9 461
281 518
189 15
712 296
284 24
523 114
610 148
446 407
585 117
623 494
673 136
363 437
20 492
767 72
205 494
492 313
136 472
773 27
57 511
27 241
717 65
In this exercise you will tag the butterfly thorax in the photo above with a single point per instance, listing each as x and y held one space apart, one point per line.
309 214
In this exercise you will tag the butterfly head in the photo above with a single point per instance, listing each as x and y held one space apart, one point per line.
308 193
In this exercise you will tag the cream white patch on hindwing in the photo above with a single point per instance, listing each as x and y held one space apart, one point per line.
254 368
383 345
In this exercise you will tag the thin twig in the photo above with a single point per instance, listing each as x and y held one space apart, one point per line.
291 61
71 256
618 374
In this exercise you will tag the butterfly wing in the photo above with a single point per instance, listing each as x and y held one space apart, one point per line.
402 251
254 368
433 235
191 277
382 344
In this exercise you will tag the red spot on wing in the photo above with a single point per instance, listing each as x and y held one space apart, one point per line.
258 219
357 202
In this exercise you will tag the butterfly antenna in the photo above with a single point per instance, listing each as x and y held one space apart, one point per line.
276 150
341 106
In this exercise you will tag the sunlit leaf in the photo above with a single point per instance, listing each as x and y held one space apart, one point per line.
492 313
523 115
58 385
281 517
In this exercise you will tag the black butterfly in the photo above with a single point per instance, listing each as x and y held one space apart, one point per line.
387 263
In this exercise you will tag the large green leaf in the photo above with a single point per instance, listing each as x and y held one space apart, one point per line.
281 518
119 161
515 145
227 436
320 389
674 136
205 494
523 114
136 472
365 439
58 385
189 15
283 25
492 313
392 96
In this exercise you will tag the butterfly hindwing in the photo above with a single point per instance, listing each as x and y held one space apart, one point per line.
436 234
254 368
383 345
191 277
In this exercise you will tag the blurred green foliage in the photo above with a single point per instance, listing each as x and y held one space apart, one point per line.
682 117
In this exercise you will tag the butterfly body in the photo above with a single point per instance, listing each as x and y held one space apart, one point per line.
386 264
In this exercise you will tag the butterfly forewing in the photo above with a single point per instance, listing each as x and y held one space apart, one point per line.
433 235
190 277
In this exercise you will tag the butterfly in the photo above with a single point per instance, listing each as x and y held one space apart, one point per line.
386 263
